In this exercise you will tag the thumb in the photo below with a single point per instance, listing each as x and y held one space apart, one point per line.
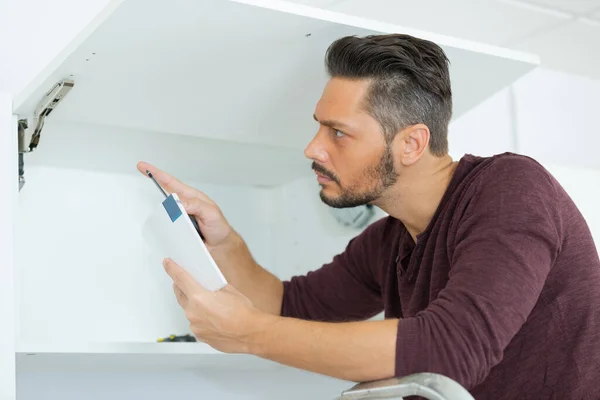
182 278
206 212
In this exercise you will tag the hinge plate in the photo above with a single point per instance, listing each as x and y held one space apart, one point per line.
29 140
29 134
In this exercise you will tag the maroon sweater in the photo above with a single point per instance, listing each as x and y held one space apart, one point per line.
501 292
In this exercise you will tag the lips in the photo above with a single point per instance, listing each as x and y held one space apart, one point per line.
322 178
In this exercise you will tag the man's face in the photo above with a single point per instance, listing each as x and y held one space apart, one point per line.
353 162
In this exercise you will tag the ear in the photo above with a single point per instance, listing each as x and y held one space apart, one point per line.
414 142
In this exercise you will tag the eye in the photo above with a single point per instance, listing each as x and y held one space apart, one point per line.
339 133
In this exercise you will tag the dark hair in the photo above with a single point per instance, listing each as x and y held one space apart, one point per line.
410 82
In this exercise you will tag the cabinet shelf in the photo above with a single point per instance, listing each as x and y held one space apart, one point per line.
115 356
112 370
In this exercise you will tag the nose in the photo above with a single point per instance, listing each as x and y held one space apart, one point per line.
315 150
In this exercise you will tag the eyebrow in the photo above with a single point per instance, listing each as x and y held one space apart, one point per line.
331 123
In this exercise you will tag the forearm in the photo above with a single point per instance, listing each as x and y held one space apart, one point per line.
354 351
263 289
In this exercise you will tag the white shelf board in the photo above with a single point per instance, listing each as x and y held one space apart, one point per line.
241 71
78 356
190 369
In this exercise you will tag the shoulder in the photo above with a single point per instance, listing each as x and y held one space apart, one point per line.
512 173
511 192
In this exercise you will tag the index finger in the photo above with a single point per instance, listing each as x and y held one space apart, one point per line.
170 183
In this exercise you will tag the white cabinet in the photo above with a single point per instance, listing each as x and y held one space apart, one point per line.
219 93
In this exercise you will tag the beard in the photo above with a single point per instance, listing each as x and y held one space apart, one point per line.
379 177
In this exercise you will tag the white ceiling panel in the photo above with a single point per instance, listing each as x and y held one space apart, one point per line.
573 6
568 48
492 22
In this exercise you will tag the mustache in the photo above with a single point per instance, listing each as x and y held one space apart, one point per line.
321 170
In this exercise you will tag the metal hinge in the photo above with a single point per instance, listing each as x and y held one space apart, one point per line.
29 137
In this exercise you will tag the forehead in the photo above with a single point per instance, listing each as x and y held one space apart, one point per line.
343 96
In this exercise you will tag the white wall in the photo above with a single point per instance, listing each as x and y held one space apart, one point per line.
307 234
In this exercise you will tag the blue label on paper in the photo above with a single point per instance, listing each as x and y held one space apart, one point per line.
170 205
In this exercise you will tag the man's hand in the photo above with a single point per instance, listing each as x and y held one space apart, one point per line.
226 320
211 221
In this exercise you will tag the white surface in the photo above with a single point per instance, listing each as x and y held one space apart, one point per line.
158 370
484 21
568 47
210 383
583 185
41 33
484 130
169 74
178 240
557 118
8 202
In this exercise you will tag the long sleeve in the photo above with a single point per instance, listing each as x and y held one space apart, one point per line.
506 241
346 289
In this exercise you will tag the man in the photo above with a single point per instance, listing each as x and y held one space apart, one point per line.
485 268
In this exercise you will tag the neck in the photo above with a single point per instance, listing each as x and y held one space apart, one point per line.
417 194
